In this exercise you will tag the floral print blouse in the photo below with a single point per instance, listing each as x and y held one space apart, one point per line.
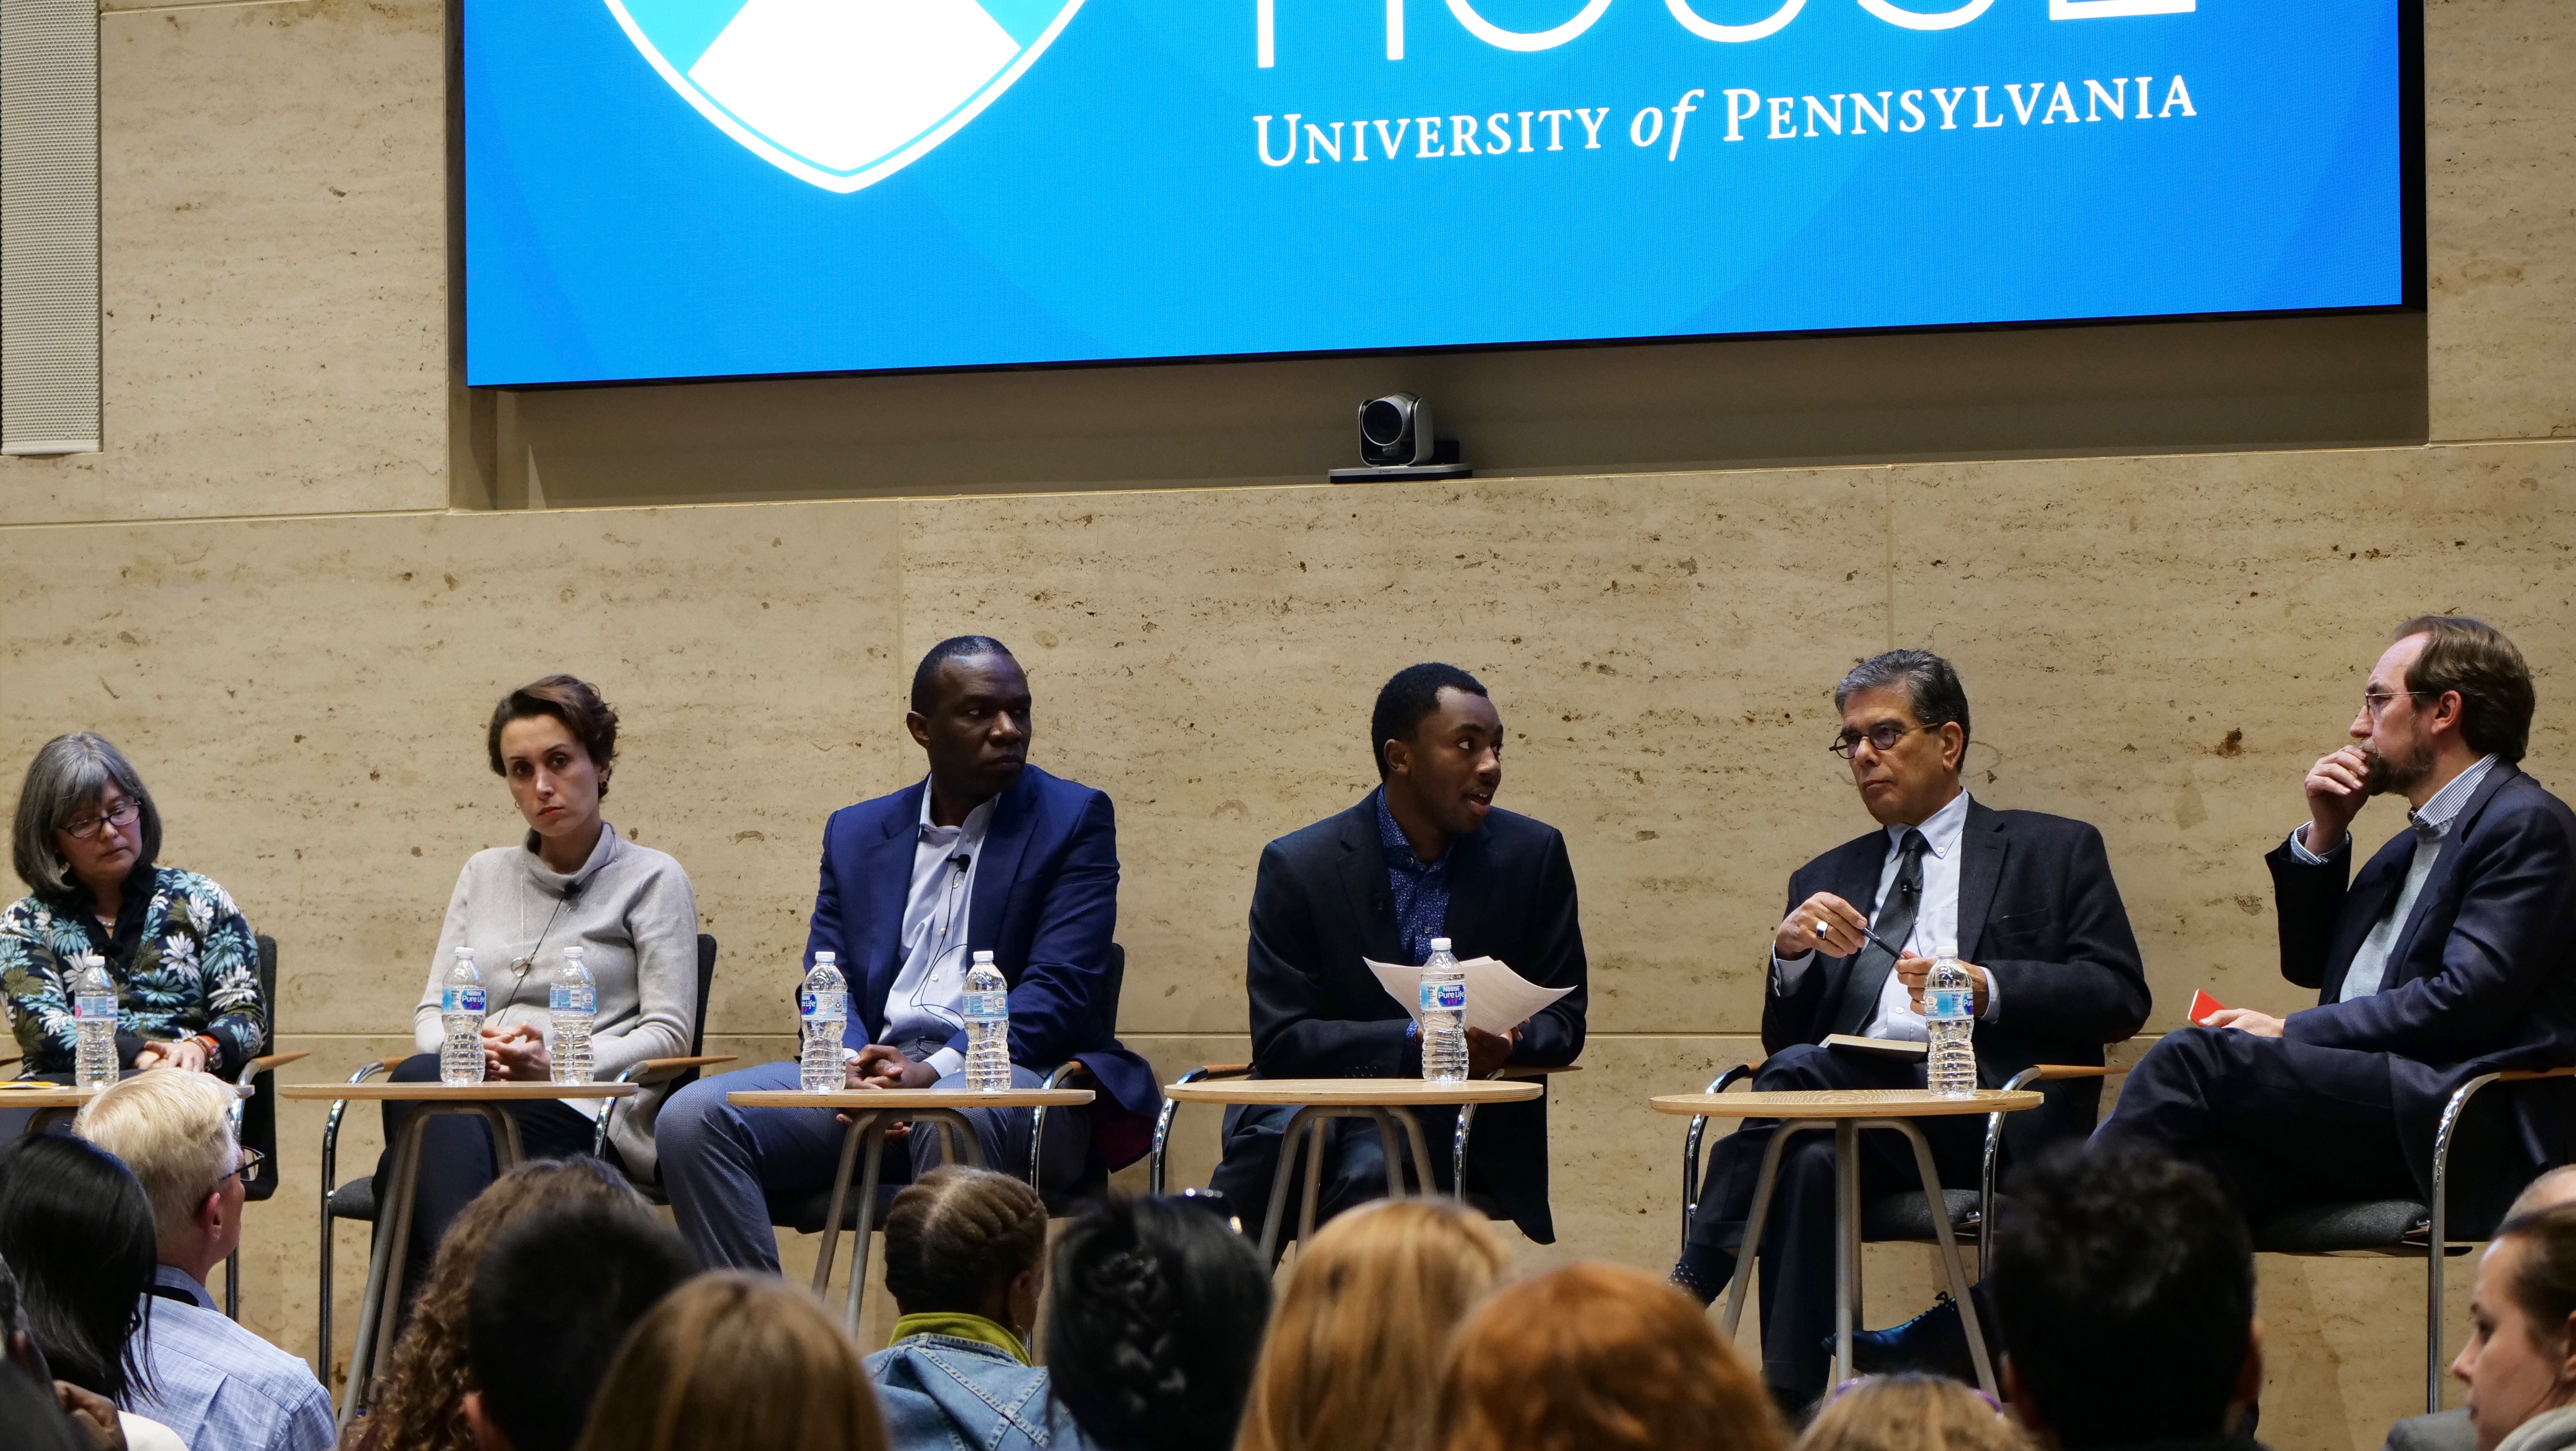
193 967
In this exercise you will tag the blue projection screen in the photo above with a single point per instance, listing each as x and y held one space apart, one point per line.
704 188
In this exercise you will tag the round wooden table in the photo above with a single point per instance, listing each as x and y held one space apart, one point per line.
395 1199
52 1104
872 1113
1847 1111
1317 1100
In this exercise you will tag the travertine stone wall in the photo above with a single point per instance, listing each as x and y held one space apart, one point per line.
259 591
274 221
2500 227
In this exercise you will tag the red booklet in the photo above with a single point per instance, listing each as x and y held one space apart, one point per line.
2202 1006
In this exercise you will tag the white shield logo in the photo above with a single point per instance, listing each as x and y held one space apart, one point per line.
842 93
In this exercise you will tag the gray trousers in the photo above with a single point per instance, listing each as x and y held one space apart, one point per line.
722 1163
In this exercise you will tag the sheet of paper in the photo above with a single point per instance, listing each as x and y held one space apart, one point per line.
1498 999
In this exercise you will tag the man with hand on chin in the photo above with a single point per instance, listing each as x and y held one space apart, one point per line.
988 853
2028 904
1425 855
2448 956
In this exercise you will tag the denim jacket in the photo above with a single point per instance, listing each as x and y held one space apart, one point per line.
940 1393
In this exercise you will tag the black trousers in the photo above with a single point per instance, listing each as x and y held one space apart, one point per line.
1797 1249
456 1155
2280 1123
1354 1164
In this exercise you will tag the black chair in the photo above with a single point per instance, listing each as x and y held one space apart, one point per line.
356 1200
255 1112
2397 1228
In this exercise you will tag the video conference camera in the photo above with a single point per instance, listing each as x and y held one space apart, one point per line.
1397 441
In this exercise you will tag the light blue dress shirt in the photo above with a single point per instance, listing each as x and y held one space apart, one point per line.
2432 827
928 999
221 1387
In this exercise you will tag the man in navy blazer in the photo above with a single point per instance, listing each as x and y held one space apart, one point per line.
987 853
1426 855
2451 954
2027 904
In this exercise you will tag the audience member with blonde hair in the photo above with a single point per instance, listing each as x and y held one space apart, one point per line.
1355 1349
1597 1357
965 1258
419 1402
1911 1413
736 1362
216 1384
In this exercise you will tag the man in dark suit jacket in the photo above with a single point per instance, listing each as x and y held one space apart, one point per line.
986 853
2026 903
1425 855
2448 956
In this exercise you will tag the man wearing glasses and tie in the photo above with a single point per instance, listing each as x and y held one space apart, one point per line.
2027 902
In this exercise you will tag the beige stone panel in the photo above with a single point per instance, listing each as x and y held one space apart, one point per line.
308 699
275 267
2500 218
2163 646
1654 645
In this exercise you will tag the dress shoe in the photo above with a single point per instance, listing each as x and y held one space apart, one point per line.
1934 1343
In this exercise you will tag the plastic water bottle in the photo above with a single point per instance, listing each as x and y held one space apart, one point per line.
1949 1012
573 1003
94 1013
460 1021
1444 1016
988 1027
822 1014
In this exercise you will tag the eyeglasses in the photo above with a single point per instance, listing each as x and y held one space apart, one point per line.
245 1171
2375 701
1881 737
120 818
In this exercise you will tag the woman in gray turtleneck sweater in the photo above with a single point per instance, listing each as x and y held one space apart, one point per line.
574 879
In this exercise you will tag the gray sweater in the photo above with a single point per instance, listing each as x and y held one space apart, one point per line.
637 921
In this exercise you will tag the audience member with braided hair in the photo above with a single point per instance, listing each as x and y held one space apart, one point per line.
1597 1357
419 1403
1154 1325
734 1361
965 1256
1355 1350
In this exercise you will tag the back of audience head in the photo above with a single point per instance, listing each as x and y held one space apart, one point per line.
2109 1260
77 1229
1154 1324
2550 1190
548 1306
419 1403
175 1132
1354 1353
1596 1357
967 1242
736 1362
1910 1413
2521 1357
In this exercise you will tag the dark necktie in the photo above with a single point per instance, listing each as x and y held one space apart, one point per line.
1895 923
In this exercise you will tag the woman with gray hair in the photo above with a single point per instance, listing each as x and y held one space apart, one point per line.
88 841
